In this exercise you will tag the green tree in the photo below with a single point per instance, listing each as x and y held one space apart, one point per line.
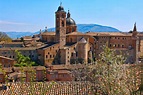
112 77
23 60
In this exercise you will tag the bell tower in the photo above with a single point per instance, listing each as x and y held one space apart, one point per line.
135 43
60 19
135 31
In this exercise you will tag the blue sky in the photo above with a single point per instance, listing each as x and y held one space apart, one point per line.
33 15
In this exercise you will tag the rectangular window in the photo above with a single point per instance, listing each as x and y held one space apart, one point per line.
53 76
110 45
72 54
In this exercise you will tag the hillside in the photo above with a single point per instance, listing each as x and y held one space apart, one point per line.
80 27
15 35
93 28
4 37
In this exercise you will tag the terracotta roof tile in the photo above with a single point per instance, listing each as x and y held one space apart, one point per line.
108 34
75 33
29 68
48 33
64 71
49 88
20 48
11 42
6 58
8 70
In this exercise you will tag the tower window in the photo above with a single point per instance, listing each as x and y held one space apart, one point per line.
62 23
63 15
57 16
72 29
72 54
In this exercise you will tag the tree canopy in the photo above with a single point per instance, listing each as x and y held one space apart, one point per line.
23 60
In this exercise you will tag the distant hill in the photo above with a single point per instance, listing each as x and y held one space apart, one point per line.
80 27
4 37
15 35
93 28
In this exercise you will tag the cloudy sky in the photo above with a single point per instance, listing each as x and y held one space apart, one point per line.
33 15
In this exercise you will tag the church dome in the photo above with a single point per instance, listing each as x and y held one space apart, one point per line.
70 21
60 8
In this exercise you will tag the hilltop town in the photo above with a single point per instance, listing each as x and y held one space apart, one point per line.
56 53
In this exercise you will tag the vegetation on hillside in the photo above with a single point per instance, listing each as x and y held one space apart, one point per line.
4 37
111 76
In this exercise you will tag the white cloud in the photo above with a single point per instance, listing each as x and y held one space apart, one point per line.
11 23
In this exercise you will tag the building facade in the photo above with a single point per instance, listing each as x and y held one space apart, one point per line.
68 46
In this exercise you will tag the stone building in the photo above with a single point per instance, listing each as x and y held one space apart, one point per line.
7 49
6 62
68 46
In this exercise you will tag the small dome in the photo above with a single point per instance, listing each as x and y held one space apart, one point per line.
82 40
60 8
70 21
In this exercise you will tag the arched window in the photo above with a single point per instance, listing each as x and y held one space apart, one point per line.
50 56
57 16
63 24
73 30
